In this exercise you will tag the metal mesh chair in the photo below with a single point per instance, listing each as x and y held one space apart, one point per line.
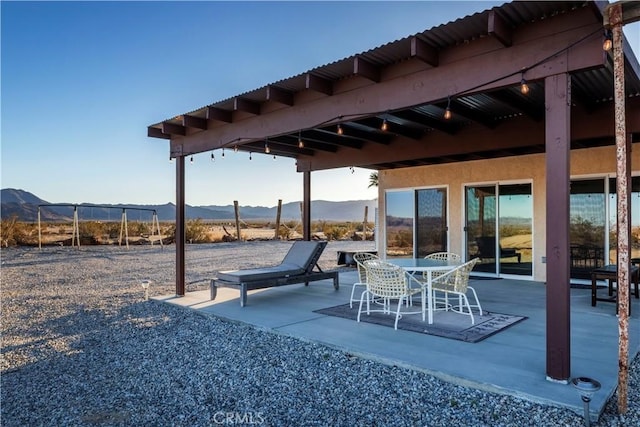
456 282
388 282
360 258
441 302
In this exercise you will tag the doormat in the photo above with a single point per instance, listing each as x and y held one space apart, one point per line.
446 324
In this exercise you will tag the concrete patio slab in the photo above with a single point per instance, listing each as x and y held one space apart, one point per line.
510 362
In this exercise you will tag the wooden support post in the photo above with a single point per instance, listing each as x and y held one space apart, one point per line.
306 206
557 145
278 213
39 231
364 223
237 212
181 234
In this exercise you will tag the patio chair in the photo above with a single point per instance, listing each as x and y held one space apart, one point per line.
487 249
388 282
456 282
442 256
297 267
360 258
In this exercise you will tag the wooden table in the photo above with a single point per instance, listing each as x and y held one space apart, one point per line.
610 273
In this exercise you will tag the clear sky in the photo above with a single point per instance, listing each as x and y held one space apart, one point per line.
81 81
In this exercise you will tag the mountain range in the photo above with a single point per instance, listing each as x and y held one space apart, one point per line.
24 205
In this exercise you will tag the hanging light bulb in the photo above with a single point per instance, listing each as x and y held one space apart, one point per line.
213 157
608 40
352 169
250 155
274 157
300 142
223 152
524 87
447 112
191 160
267 150
170 159
340 131
235 148
385 126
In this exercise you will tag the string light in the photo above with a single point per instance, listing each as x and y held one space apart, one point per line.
340 131
300 142
170 159
267 150
223 152
524 87
385 126
250 155
213 157
608 40
274 157
352 169
235 148
191 160
447 112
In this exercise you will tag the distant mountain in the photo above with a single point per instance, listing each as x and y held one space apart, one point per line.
24 206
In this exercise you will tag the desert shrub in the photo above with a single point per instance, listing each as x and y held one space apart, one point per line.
334 232
196 231
12 231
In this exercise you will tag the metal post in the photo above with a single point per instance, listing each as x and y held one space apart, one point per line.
623 180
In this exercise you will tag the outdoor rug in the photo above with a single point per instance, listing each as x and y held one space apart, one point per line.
446 324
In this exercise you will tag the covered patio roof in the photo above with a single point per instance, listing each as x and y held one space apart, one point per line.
385 108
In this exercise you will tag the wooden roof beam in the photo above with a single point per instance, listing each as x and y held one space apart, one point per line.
409 132
330 137
421 119
424 52
281 96
365 69
247 106
194 122
156 133
219 114
499 29
171 129
292 140
460 109
507 97
378 138
319 84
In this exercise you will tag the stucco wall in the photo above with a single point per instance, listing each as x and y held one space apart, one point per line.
595 162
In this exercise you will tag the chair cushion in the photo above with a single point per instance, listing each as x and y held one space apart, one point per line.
265 273
301 253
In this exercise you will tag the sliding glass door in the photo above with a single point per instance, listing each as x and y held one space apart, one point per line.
499 221
416 222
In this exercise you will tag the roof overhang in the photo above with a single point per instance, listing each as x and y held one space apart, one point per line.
473 66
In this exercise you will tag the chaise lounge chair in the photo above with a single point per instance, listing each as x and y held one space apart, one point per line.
297 267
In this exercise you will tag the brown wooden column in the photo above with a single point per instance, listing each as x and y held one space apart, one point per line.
181 234
306 206
557 144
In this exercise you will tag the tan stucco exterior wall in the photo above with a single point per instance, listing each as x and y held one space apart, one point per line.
595 162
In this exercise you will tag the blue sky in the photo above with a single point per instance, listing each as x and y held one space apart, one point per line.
81 81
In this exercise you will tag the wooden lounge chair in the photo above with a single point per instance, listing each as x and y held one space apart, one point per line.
297 267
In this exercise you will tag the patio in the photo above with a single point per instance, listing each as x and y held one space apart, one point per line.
510 362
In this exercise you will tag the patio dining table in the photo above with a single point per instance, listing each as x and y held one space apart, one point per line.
428 266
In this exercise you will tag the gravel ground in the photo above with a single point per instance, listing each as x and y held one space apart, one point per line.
81 347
